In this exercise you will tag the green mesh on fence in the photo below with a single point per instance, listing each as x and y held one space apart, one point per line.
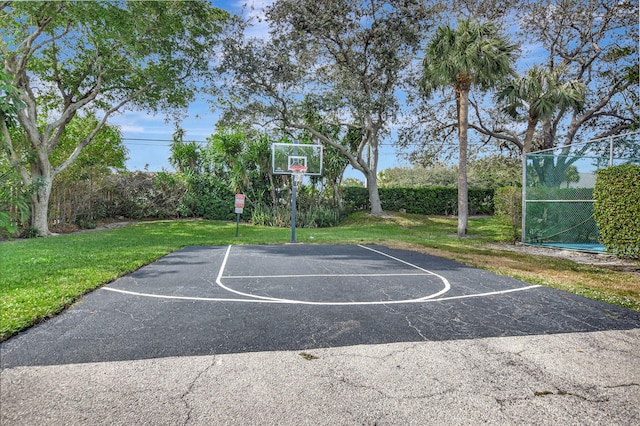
558 189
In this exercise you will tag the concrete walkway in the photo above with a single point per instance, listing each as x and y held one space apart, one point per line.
578 378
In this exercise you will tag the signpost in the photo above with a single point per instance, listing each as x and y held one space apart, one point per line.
239 206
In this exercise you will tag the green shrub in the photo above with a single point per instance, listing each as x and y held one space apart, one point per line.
212 198
264 215
616 209
507 202
14 203
355 198
29 232
6 227
312 217
427 200
319 217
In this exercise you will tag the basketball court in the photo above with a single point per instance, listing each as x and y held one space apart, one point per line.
236 299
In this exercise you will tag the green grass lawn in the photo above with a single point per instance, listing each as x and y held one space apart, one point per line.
40 277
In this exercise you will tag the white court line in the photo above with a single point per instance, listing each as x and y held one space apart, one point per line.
219 281
252 298
446 288
391 302
447 285
415 274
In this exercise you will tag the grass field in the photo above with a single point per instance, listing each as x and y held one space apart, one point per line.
41 277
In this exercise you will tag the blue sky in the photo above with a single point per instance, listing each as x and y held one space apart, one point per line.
147 137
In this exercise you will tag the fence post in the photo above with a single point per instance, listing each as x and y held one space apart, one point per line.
611 151
524 196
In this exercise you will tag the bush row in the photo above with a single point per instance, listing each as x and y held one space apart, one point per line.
131 195
507 202
314 217
617 209
141 195
427 201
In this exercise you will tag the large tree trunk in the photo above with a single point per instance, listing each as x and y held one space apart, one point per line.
42 174
374 196
528 137
357 161
463 190
372 171
40 205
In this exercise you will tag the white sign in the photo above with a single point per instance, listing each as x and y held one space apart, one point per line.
239 203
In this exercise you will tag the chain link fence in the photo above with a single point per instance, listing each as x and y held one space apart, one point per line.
558 190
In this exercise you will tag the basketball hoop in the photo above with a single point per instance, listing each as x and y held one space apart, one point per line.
298 171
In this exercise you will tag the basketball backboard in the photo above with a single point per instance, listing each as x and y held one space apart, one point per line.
287 157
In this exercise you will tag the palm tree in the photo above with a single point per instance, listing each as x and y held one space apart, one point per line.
539 94
473 54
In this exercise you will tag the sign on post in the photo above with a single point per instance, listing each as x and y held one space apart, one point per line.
239 204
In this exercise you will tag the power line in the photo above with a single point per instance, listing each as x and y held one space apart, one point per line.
169 141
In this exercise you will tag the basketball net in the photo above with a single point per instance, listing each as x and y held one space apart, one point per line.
298 172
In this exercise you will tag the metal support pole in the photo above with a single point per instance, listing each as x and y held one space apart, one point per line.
524 199
293 208
611 151
293 199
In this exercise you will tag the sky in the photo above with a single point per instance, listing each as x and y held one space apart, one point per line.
148 137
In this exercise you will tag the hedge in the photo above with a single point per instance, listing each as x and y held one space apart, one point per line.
507 202
616 209
425 200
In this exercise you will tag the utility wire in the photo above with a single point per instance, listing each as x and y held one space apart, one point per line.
169 141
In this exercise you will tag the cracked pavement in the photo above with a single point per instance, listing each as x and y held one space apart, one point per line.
525 357
579 378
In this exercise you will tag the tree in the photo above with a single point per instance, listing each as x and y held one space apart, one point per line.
589 56
105 154
344 60
241 160
185 156
486 172
10 103
593 42
231 153
538 96
418 176
102 56
335 164
473 54
10 196
590 62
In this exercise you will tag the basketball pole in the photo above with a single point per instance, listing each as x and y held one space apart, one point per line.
293 199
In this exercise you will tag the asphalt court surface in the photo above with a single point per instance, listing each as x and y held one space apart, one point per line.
235 299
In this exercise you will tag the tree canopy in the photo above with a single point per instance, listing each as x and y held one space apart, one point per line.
328 63
586 51
101 57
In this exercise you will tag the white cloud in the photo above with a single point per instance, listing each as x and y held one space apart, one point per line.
139 122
